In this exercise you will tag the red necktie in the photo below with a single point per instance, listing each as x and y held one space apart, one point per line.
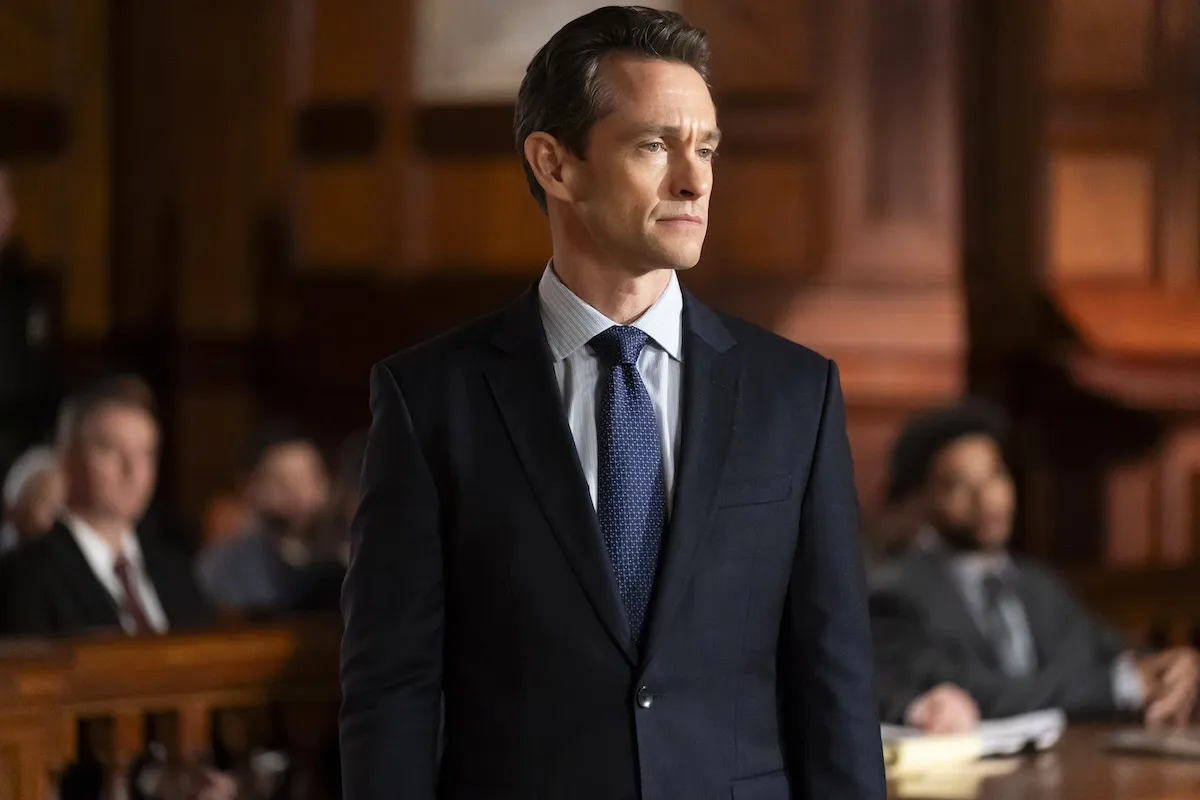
133 601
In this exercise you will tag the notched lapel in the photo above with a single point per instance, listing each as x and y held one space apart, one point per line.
953 599
158 566
95 603
710 378
522 382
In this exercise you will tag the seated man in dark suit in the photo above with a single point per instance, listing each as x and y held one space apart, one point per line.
963 611
93 571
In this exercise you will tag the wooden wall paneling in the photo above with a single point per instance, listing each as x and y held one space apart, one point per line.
1179 501
200 152
397 170
146 223
38 185
895 141
1122 145
888 305
212 421
1100 217
85 50
339 225
344 61
229 70
767 212
765 216
1178 186
222 108
1002 227
352 168
30 32
1101 43
758 46
482 218
1131 514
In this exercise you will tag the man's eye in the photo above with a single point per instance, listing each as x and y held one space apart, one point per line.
654 147
706 153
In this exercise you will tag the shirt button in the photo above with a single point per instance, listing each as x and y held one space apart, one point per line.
644 698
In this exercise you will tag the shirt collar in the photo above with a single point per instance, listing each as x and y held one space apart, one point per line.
972 568
571 323
96 550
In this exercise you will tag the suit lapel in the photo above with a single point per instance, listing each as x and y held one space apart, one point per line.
522 381
1041 627
97 607
952 599
710 374
158 568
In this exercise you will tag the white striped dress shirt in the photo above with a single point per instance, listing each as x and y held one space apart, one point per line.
570 324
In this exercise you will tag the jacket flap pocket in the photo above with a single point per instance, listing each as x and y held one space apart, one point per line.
771 786
770 489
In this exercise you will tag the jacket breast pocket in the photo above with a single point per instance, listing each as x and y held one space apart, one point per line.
772 489
772 786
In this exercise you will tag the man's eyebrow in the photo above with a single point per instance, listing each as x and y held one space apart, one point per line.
708 136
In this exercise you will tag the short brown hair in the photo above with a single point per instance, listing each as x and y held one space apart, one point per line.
121 391
562 93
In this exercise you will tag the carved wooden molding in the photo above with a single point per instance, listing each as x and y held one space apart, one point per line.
1134 319
895 152
1178 213
1179 495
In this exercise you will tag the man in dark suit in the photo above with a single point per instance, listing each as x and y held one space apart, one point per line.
93 571
960 610
617 530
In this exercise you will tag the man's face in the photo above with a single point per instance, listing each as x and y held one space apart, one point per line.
112 465
642 192
971 494
8 206
289 485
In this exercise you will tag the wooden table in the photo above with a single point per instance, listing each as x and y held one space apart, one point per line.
1079 768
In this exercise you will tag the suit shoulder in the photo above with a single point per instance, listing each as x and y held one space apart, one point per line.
445 349
905 575
1041 577
760 343
27 565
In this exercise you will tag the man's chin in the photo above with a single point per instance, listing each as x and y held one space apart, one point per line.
681 260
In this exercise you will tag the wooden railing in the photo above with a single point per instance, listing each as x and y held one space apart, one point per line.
107 698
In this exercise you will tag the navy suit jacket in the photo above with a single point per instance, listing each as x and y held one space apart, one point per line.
479 570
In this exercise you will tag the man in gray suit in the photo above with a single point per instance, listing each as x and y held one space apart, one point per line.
963 611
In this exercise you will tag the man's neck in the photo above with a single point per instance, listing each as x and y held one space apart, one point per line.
621 296
985 558
111 530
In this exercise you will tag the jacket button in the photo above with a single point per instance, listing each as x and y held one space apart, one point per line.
644 698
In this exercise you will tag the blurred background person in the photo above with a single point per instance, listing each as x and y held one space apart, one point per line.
961 610
93 570
320 584
28 367
263 567
34 492
334 536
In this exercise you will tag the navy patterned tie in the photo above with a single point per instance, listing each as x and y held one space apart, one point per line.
631 498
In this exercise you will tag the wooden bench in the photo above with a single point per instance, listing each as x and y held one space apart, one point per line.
112 695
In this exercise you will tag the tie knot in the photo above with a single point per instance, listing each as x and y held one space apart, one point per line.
994 589
620 344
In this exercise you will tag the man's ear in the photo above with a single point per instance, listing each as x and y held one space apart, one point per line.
550 162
